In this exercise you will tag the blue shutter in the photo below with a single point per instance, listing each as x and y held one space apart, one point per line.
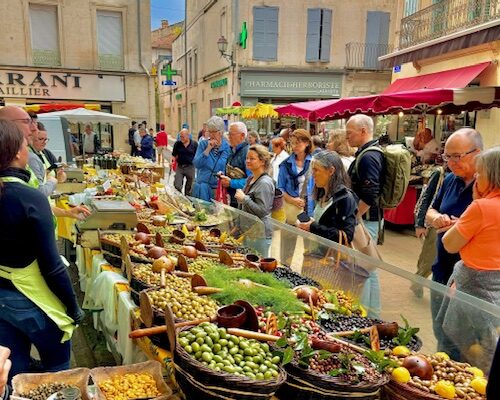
265 33
326 35
313 36
377 36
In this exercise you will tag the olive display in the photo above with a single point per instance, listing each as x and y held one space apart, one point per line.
45 390
145 274
223 352
293 278
129 386
184 303
201 264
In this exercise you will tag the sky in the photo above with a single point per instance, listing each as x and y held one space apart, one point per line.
171 10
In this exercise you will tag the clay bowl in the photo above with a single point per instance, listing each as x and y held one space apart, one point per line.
177 237
252 261
268 264
388 330
231 316
215 232
158 220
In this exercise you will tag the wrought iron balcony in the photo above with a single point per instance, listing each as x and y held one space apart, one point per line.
446 17
365 55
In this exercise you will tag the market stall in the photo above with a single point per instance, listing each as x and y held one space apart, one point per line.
184 286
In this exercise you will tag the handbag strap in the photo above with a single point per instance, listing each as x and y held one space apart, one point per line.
342 241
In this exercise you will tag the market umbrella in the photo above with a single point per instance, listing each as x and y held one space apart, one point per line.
304 109
260 111
51 107
84 116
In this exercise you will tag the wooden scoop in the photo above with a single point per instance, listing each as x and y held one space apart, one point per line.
387 330
142 228
156 330
199 285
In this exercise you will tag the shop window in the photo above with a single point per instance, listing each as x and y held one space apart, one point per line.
215 104
110 40
265 33
44 35
319 34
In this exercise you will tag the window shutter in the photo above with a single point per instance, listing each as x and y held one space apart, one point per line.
377 36
265 33
313 34
110 39
326 36
44 35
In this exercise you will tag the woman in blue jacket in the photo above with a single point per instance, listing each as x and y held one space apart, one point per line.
296 183
210 159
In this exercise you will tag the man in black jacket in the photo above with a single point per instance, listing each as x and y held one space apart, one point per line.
367 174
131 142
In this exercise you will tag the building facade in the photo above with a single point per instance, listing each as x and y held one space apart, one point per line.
434 37
79 51
277 52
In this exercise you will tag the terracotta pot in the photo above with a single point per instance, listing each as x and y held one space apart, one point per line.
252 261
177 237
268 264
231 316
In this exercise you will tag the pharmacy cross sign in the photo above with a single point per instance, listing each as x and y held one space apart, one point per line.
169 72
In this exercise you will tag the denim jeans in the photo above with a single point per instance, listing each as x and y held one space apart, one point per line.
22 324
371 292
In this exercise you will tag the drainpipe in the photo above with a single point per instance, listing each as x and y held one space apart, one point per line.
139 40
186 62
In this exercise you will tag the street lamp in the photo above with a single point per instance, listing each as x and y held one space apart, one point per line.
222 46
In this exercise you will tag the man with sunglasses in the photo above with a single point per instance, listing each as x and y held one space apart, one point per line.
453 198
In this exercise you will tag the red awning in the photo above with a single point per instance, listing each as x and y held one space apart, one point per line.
445 101
452 79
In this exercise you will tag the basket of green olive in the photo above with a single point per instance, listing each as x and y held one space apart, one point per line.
211 363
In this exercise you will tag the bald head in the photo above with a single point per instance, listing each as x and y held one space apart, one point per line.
359 130
468 136
22 120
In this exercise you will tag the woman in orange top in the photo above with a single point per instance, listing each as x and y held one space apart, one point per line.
475 236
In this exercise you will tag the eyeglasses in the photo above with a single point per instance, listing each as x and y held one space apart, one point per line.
457 157
44 139
26 121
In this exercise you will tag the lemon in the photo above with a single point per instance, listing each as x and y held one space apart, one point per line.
442 355
479 385
445 389
401 375
401 351
475 371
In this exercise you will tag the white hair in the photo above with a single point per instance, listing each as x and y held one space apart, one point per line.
242 128
362 121
215 123
472 135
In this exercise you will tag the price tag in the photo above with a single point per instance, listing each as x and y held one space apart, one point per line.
106 185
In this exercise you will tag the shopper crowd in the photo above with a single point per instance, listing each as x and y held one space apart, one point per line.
333 193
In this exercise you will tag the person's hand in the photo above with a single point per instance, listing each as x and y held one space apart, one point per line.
305 226
225 180
239 195
5 365
299 202
77 315
420 232
446 228
78 212
441 221
61 176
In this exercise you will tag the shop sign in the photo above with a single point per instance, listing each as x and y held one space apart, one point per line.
61 85
282 84
219 83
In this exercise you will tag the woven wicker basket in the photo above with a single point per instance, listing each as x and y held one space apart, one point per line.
309 385
200 382
402 391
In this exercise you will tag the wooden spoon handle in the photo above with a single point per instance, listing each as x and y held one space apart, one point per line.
156 330
252 335
349 333
205 290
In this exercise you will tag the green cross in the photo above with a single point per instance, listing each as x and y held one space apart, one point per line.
169 72
243 35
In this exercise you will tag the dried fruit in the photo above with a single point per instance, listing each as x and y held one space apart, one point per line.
479 385
401 375
401 351
445 389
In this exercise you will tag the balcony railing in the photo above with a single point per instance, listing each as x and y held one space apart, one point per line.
365 55
46 58
446 17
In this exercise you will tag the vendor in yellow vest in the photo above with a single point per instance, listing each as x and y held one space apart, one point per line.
37 302
28 126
